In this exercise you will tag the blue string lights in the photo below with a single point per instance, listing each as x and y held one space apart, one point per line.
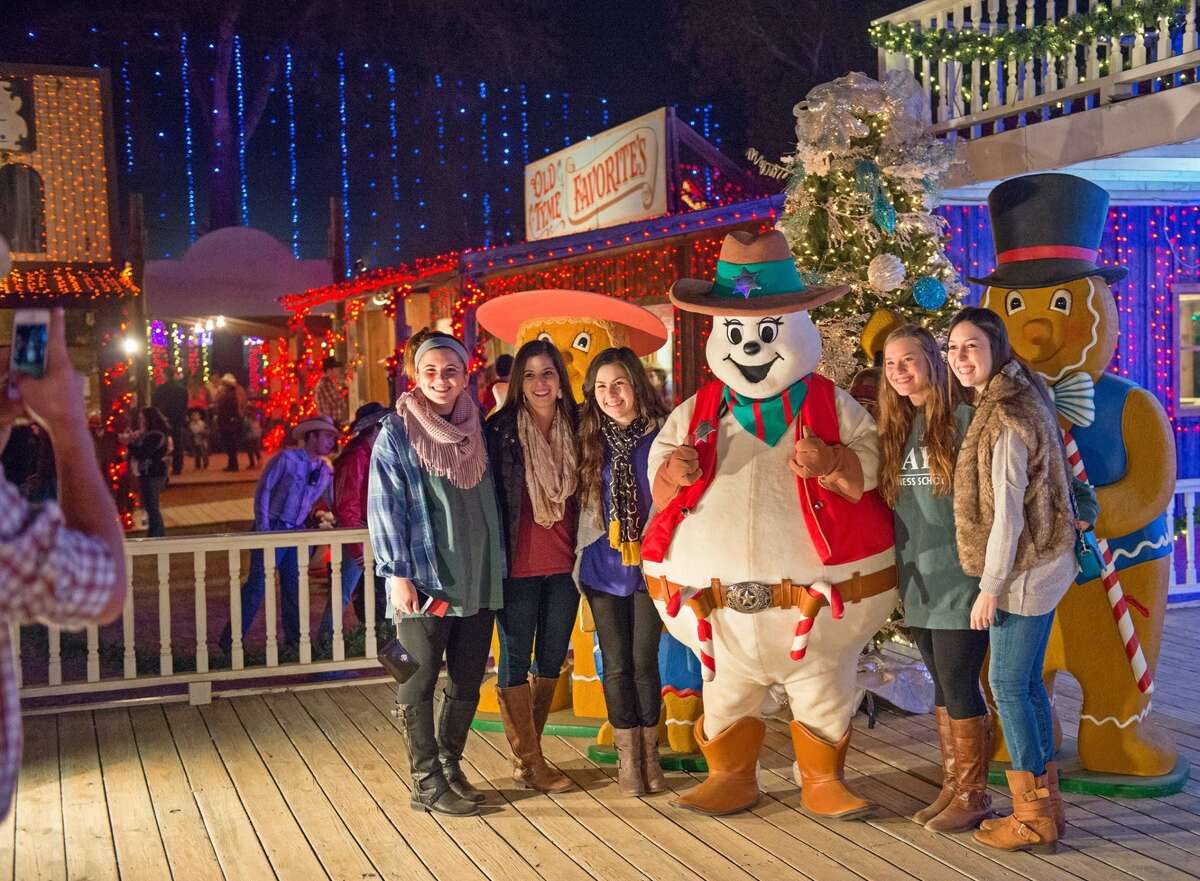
394 156
293 177
188 151
240 90
127 103
344 153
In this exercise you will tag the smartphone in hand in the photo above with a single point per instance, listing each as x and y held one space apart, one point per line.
431 605
31 338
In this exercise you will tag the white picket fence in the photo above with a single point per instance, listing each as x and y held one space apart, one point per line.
1185 587
149 604
972 98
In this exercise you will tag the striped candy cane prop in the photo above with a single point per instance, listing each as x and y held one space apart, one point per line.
1112 586
805 624
704 634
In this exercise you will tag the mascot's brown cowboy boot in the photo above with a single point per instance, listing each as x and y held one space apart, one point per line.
926 814
732 757
970 740
822 770
1032 825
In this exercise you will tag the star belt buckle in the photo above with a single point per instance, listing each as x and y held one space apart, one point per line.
748 597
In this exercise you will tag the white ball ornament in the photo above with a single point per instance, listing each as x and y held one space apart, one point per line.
885 272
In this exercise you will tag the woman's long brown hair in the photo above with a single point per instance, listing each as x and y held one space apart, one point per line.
591 438
896 414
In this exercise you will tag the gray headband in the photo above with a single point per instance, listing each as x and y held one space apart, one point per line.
442 342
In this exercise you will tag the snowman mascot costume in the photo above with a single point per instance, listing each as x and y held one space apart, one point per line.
764 481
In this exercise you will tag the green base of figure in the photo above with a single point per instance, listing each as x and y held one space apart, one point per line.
1073 777
690 762
560 724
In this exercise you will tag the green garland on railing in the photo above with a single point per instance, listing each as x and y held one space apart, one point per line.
1053 38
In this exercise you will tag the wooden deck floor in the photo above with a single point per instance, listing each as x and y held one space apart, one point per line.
313 785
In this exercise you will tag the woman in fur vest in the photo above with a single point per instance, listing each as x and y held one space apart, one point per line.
1015 528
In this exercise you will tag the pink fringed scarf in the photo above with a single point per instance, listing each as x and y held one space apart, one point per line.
452 448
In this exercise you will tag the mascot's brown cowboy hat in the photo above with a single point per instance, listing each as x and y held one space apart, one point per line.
756 275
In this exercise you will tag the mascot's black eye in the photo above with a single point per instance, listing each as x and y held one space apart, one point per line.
1061 301
583 341
733 333
1014 302
767 332
544 337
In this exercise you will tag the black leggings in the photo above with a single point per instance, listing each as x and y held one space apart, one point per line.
464 642
629 629
954 659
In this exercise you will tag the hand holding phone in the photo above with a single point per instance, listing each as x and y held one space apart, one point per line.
41 378
30 343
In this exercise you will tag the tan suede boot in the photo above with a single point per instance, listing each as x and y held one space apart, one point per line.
652 774
531 770
822 770
543 695
732 757
1032 824
926 814
1060 813
629 760
970 740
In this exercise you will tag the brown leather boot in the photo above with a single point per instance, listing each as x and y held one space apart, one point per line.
629 760
970 740
1060 814
543 695
822 770
652 774
732 757
531 770
926 814
1031 825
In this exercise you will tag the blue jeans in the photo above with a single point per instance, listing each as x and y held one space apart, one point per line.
1015 673
255 586
536 620
151 488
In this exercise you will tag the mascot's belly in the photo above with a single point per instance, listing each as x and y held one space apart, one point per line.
749 525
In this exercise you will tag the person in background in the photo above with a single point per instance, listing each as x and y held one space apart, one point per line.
1016 530
351 477
229 409
435 532
61 562
171 399
329 395
290 488
922 420
658 382
493 394
198 431
149 448
252 435
531 446
621 416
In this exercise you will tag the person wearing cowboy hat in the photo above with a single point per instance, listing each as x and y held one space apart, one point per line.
292 483
351 474
230 407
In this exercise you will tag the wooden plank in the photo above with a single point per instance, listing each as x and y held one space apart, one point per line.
184 835
140 851
230 830
334 845
288 850
387 849
40 849
546 855
479 838
88 835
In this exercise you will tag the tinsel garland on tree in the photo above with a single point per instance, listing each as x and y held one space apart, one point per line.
860 191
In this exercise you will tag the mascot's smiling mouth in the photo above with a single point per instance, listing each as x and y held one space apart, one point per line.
754 372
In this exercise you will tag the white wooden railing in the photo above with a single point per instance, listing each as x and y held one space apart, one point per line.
970 98
1185 587
148 603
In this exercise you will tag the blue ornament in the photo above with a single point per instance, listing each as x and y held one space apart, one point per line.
929 292
884 214
866 176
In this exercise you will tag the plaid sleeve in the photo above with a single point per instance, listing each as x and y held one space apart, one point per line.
49 572
329 400
388 508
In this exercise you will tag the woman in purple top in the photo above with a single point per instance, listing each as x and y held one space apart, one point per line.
621 416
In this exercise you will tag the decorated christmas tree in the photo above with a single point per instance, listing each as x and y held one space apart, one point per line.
860 192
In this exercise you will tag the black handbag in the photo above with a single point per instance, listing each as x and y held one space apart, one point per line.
397 661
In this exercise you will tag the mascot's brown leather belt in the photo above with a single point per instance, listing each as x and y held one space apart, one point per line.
752 596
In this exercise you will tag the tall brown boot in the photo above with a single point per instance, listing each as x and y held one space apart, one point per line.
531 770
543 695
970 740
1060 813
1031 825
732 757
629 760
822 772
926 814
652 774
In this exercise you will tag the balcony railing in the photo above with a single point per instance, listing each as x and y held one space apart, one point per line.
950 47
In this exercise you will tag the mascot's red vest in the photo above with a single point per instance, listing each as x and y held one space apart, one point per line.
841 531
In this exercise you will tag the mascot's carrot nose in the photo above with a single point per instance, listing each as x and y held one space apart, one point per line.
1038 331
